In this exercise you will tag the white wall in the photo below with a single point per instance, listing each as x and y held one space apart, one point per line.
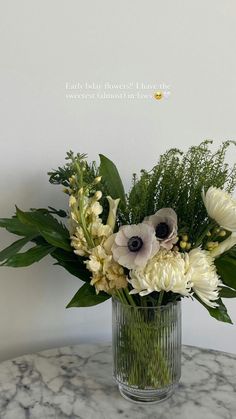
189 45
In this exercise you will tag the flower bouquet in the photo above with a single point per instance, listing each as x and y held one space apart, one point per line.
172 236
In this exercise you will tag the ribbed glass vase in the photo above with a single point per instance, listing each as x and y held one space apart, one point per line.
146 350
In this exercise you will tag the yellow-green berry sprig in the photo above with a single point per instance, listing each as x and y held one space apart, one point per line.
184 243
212 245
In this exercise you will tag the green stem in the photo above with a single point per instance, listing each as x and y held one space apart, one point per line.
121 297
144 301
129 297
160 298
204 233
83 224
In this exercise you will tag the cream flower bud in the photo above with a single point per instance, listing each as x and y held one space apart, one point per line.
72 201
97 179
98 195
224 246
113 205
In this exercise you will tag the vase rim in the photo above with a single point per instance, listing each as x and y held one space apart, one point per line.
161 307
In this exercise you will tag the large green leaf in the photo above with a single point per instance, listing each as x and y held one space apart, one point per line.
72 263
226 292
219 313
231 252
112 179
226 268
86 297
14 248
51 210
55 239
15 226
52 231
35 254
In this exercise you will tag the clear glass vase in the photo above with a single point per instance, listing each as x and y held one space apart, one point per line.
146 350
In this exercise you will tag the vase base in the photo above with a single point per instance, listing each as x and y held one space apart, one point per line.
146 396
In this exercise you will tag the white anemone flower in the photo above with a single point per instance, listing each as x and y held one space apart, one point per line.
165 224
221 207
202 274
134 245
164 272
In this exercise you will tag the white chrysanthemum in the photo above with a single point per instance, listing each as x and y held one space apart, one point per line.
221 207
202 274
164 272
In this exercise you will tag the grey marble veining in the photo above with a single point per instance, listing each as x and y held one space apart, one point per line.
76 382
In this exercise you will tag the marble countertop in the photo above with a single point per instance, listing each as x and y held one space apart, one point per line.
76 382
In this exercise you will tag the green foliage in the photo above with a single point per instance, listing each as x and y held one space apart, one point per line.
35 254
226 268
14 248
72 263
219 313
112 180
60 213
15 226
86 297
226 292
177 181
38 227
84 174
73 166
48 227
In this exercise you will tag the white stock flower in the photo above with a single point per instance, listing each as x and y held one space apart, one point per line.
107 275
86 227
79 243
134 245
164 272
221 207
224 246
95 208
164 223
201 273
98 229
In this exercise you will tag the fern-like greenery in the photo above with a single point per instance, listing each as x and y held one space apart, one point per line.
85 174
177 181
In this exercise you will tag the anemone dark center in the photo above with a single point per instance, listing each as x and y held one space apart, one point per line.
135 243
162 230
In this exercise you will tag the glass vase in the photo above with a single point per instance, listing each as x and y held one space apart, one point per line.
146 350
